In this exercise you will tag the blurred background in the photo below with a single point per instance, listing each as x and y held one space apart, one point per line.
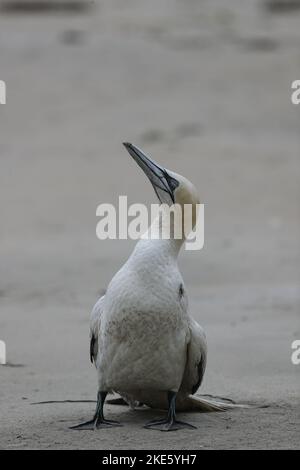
204 87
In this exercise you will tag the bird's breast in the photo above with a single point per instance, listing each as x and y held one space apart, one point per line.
135 308
144 331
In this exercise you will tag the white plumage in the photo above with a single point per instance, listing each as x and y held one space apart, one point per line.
145 339
144 342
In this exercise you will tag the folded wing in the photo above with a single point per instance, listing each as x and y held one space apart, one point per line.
196 359
95 321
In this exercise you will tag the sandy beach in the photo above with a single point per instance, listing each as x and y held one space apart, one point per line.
205 89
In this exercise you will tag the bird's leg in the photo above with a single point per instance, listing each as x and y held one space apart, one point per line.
98 420
170 423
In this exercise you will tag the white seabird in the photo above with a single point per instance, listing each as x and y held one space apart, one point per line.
144 343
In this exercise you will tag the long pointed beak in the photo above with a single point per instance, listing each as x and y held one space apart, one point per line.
163 184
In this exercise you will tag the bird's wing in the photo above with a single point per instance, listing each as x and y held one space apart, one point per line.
94 328
193 375
196 359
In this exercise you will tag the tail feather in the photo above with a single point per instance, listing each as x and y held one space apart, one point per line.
205 405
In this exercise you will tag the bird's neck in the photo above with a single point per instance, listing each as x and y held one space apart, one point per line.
168 231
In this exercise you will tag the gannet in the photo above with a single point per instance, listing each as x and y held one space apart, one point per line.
143 341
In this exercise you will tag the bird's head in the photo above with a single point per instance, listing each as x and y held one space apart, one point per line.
170 187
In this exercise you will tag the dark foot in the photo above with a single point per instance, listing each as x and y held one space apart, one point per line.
96 424
170 423
166 425
98 421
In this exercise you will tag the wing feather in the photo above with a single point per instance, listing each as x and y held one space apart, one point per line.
95 322
196 359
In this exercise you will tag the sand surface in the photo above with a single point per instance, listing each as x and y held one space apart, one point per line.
204 87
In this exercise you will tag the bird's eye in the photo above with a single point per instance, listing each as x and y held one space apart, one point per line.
172 182
181 291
